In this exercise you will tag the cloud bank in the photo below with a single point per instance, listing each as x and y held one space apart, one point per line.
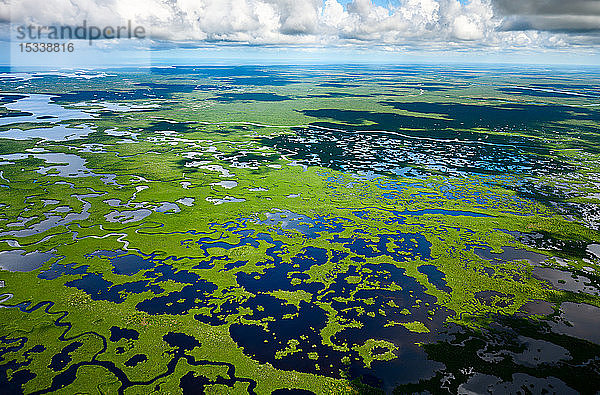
576 16
428 24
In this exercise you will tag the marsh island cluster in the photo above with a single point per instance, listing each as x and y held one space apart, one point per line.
297 230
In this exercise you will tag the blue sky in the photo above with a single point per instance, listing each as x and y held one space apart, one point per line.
389 31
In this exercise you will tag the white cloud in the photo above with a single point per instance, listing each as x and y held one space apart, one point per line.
464 28
415 23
